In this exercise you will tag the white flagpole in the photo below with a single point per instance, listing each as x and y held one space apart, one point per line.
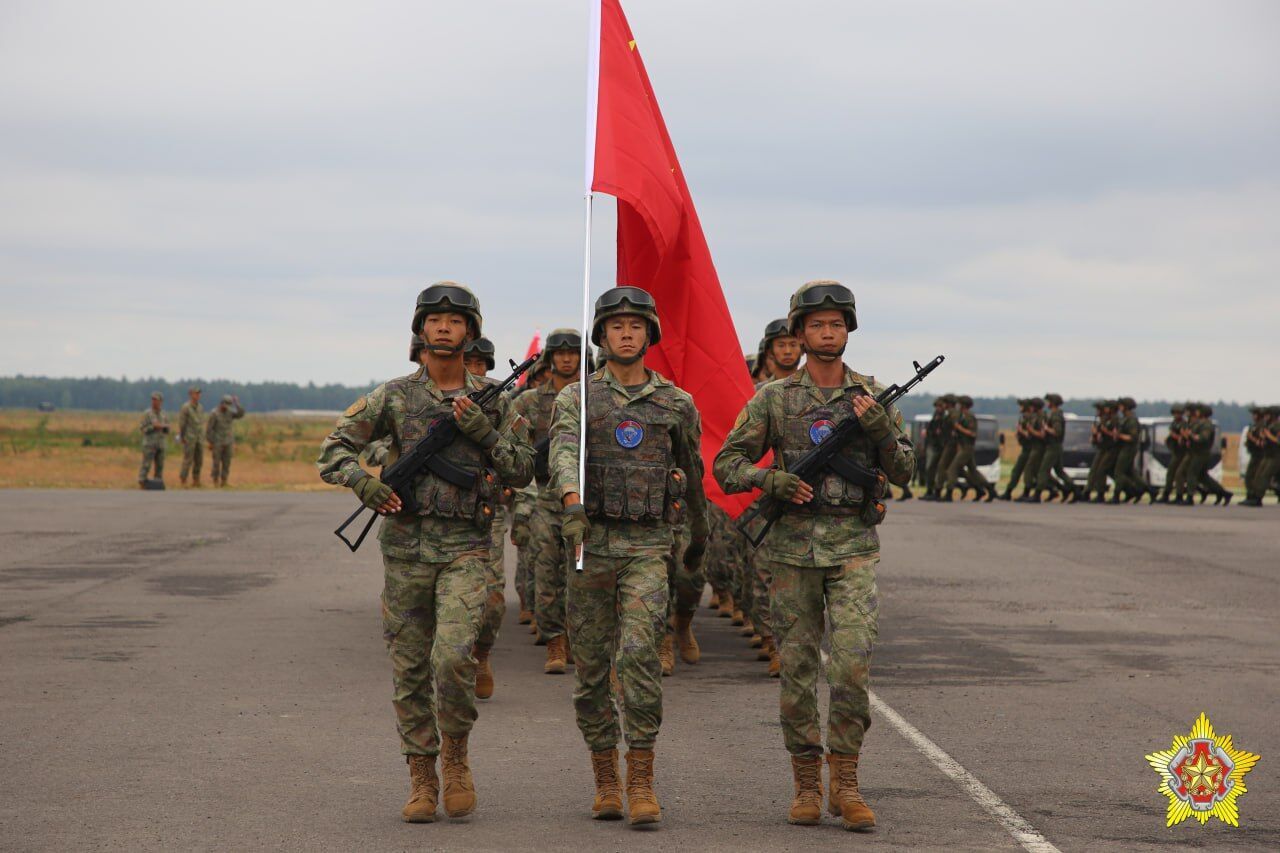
593 96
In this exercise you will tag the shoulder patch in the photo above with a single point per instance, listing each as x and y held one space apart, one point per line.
356 408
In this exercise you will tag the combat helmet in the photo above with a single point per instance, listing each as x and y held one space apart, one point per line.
480 348
448 296
415 349
1035 403
779 328
561 340
965 400
1127 403
820 295
1053 399
620 300
1177 409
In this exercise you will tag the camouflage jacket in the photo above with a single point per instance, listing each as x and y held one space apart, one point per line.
620 538
382 414
798 538
191 422
219 428
537 407
154 427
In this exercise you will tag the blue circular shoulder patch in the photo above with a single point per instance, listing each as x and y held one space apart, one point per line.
629 434
818 430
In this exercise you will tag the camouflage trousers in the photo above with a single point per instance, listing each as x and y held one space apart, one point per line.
617 612
684 588
430 616
1258 477
221 465
761 610
152 455
550 571
720 556
524 574
192 458
1034 460
930 468
495 582
805 601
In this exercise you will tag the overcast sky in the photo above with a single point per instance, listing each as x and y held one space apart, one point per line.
1076 196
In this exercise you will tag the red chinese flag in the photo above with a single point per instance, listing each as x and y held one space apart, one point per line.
534 345
661 246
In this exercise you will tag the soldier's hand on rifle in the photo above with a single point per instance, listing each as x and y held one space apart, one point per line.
574 528
782 486
873 417
377 495
473 423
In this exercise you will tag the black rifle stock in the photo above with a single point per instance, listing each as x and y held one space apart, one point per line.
825 457
402 474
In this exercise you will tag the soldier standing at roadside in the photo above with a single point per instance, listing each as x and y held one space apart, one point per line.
643 472
191 435
154 428
219 432
434 559
562 353
822 554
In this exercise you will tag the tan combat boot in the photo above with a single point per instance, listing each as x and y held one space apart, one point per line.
775 660
846 800
766 649
459 790
726 606
667 655
526 617
756 642
484 673
421 807
556 661
689 651
641 801
195 481
748 628
739 617
714 602
806 808
608 802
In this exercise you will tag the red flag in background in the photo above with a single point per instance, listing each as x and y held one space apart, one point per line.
661 247
534 345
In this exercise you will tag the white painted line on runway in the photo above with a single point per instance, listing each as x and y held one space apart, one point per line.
1015 824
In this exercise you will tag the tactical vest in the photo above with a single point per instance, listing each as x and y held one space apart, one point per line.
805 423
540 427
436 496
631 473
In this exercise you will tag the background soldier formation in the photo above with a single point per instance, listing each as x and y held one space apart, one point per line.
194 427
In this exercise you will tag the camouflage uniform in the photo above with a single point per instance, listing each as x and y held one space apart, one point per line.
821 555
1051 471
1024 448
191 432
154 427
962 459
936 434
550 566
1126 474
521 514
949 445
643 472
434 561
219 431
1035 444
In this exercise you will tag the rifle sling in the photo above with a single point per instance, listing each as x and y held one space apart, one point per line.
857 474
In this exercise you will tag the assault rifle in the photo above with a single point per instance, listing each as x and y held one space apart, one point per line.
424 456
826 458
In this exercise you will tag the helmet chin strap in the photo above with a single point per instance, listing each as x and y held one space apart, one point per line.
631 359
444 349
827 356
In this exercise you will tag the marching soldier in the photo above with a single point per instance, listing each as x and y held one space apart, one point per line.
1264 449
1129 437
154 428
948 453
1051 470
1107 452
936 435
1176 443
822 554
1022 433
190 435
643 473
434 559
966 432
562 354
1035 446
219 432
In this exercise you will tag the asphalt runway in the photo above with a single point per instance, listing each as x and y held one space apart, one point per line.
189 670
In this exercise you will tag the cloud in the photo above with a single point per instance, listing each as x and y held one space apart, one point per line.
1075 194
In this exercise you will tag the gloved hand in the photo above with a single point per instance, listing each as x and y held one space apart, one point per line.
695 554
475 426
573 529
372 492
520 534
876 424
780 485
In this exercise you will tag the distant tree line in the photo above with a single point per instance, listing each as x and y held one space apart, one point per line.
123 394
